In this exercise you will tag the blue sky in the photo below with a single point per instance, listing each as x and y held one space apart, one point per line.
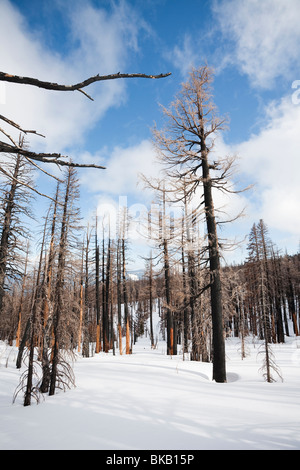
253 47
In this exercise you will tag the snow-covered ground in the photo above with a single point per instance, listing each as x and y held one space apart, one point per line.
149 400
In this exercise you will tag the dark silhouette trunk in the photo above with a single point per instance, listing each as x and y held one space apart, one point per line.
7 229
58 304
218 342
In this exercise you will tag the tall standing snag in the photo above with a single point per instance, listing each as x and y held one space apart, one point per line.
15 203
184 148
68 215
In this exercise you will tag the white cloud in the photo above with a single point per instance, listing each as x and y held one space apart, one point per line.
265 35
270 159
184 56
124 166
101 42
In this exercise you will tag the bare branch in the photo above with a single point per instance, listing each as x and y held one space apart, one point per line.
56 157
22 183
78 86
44 171
46 157
14 124
8 136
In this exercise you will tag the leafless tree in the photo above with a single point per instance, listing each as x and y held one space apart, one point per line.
161 231
123 231
69 218
185 147
15 207
97 290
86 319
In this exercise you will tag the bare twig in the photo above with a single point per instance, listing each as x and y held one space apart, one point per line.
22 183
14 124
44 171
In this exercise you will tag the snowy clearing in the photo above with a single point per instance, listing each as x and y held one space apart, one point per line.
148 400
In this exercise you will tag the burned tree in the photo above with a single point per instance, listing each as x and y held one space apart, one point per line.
15 203
184 148
161 230
69 216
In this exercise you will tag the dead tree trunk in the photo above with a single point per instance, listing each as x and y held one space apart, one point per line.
34 328
7 228
47 310
219 370
58 308
105 324
125 299
97 292
151 301
119 295
86 341
107 295
20 309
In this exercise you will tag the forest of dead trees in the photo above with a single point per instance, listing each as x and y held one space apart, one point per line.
76 296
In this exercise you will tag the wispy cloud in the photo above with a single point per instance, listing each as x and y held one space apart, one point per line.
270 160
264 37
121 178
101 44
184 55
260 38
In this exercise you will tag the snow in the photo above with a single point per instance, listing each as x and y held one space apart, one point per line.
148 400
